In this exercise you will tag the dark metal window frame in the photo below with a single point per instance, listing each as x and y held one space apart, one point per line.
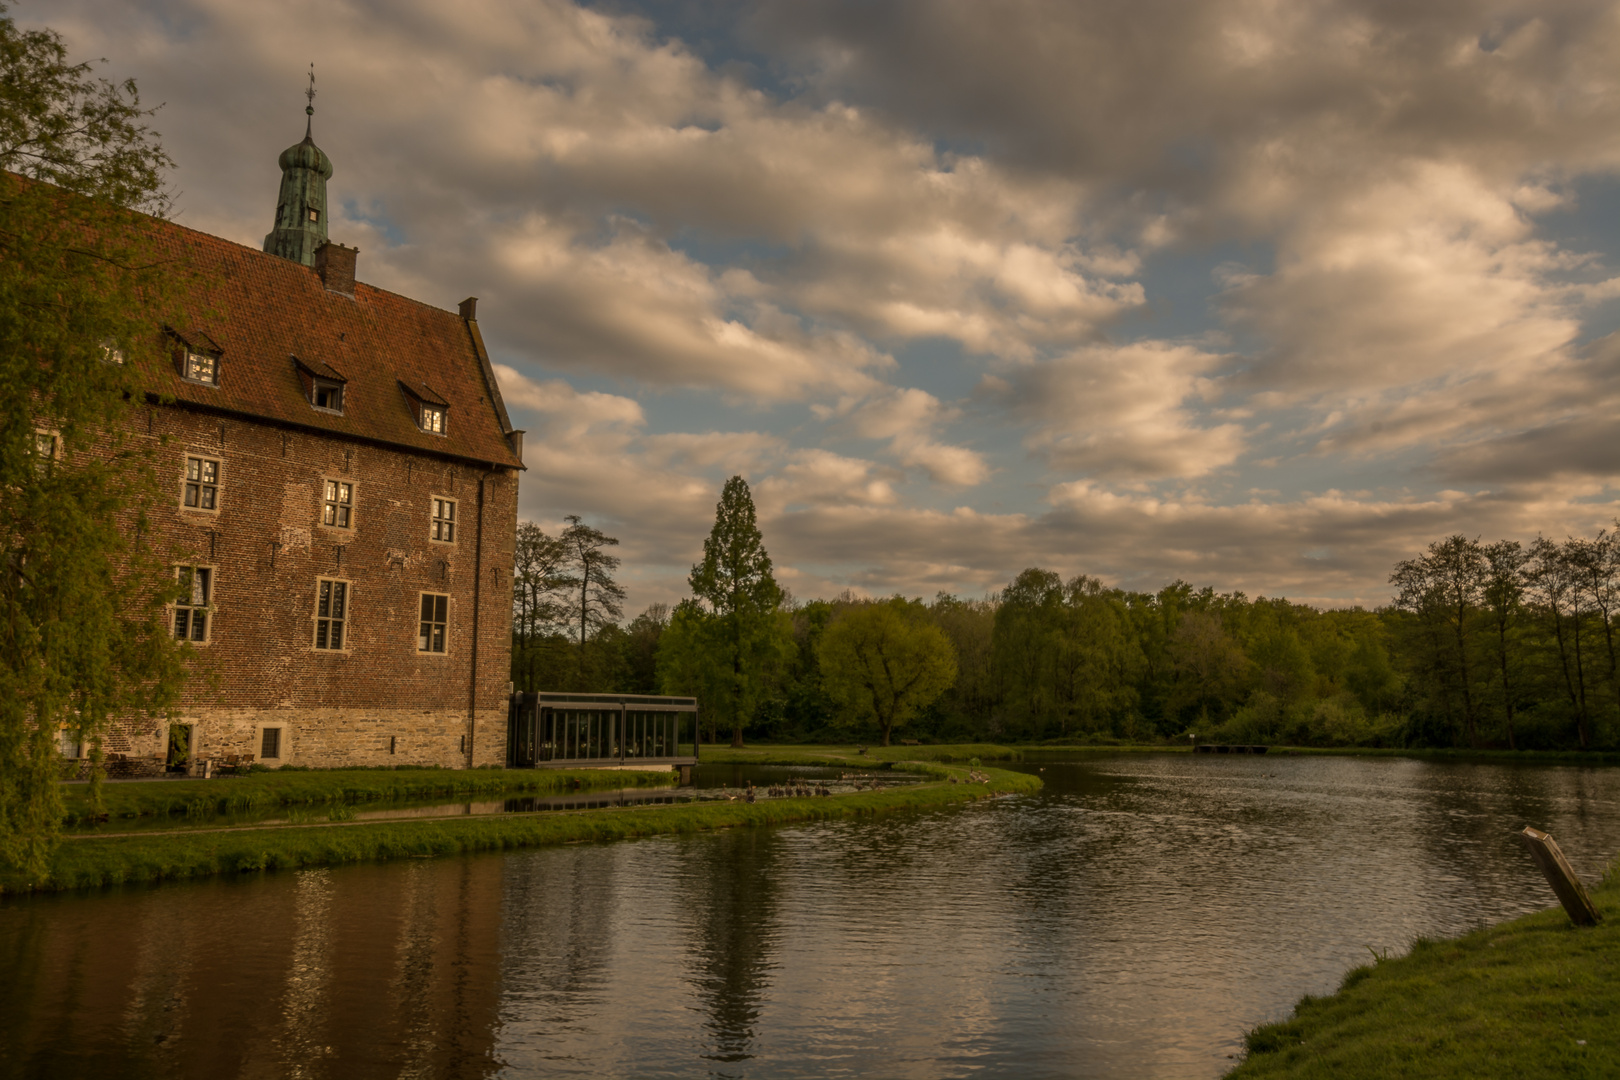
338 499
334 614
433 626
198 611
196 487
443 518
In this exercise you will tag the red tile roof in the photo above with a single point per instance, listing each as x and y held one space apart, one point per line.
260 311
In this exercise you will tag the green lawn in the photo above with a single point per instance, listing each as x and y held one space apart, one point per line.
102 861
844 756
267 790
1535 997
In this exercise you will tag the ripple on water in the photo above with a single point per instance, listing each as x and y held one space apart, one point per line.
1132 919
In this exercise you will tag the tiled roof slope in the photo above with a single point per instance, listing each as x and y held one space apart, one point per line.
263 310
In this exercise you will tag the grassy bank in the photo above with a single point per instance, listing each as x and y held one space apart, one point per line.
1533 757
846 756
264 791
93 863
1528 998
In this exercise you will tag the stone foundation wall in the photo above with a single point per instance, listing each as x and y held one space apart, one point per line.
321 738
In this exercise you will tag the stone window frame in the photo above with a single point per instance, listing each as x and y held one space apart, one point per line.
351 528
210 607
44 463
347 620
66 737
284 741
218 485
449 606
434 521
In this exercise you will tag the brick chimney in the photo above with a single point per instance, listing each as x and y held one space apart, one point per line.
335 264
469 309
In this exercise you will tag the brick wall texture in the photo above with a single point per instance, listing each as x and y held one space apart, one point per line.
379 700
262 325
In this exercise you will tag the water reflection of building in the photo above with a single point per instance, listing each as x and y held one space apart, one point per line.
347 974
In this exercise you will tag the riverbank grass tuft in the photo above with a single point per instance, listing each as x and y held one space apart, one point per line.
1534 997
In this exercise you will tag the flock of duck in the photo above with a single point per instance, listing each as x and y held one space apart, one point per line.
802 789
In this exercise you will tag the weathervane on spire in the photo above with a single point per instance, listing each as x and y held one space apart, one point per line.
309 110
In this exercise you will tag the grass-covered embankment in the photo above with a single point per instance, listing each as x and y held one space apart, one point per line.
268 790
99 862
1532 997
843 757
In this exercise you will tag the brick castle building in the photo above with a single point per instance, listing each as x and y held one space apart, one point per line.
344 508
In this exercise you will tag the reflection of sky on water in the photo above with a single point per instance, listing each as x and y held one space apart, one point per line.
1131 920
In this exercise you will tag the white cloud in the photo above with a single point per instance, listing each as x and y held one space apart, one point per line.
1124 413
1029 186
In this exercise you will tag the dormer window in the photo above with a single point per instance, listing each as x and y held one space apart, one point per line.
202 367
196 356
431 412
323 384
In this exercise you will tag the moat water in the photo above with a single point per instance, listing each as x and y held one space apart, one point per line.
1132 920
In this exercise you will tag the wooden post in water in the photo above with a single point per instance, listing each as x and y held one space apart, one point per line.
1561 876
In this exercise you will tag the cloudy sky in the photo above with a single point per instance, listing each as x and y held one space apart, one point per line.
1263 295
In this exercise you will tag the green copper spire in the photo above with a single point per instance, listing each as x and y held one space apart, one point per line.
301 209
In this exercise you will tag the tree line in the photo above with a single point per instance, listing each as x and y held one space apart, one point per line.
1486 645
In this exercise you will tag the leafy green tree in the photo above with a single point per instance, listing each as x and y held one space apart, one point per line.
1502 596
687 651
1210 667
973 698
641 640
751 637
1443 589
887 661
1559 588
595 599
82 639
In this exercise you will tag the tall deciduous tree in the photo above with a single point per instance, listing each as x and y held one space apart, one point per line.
1444 587
541 591
81 633
597 599
1503 598
751 636
886 662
